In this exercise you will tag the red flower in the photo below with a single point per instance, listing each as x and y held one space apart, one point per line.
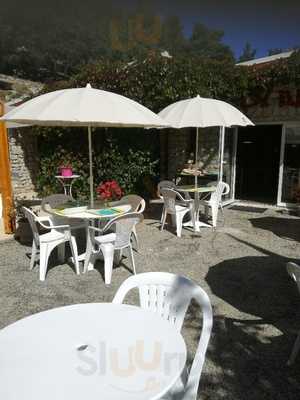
109 190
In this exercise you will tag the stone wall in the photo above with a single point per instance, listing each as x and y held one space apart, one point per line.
24 162
22 146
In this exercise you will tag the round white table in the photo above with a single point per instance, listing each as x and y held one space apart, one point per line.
200 193
89 216
90 351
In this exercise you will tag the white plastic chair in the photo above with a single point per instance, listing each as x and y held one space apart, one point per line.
136 202
106 244
138 205
177 207
165 185
215 202
55 200
294 272
169 295
46 242
169 185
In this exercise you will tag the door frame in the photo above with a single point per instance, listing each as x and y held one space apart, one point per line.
233 166
284 125
281 203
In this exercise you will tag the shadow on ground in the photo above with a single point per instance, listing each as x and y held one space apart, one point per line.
286 228
251 356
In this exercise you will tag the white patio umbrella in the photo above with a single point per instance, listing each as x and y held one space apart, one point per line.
84 107
200 112
12 125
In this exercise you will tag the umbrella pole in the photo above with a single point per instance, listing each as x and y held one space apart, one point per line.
196 158
91 168
221 151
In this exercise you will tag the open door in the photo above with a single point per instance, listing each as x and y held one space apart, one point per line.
5 178
258 157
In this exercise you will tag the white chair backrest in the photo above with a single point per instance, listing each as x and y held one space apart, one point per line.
137 203
169 295
123 226
165 184
221 190
55 200
170 197
31 217
294 272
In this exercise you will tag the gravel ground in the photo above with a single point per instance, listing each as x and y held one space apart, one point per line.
241 266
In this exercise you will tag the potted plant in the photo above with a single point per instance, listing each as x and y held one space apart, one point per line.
109 191
66 170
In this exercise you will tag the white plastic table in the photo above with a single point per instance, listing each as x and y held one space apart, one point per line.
90 351
88 217
200 194
67 182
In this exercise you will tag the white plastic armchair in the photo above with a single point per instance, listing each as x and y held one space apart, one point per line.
215 202
294 272
58 235
138 204
165 185
116 235
55 200
169 295
177 207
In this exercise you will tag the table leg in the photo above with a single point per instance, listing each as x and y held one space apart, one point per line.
89 248
198 224
82 256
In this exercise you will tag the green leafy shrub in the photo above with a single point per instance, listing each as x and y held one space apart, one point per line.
111 161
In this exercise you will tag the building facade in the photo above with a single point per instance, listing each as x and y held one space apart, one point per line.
260 163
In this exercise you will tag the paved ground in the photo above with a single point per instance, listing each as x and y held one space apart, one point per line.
241 266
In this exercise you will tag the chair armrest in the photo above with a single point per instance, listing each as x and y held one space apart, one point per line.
45 218
182 199
92 228
49 227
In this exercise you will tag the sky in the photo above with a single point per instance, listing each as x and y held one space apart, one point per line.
265 24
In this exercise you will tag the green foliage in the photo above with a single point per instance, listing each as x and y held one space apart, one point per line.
156 81
172 38
258 82
49 42
207 43
111 161
248 53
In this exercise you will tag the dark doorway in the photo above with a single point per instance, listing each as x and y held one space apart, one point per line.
257 164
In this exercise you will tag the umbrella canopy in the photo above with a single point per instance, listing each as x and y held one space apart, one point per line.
12 125
200 112
84 107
